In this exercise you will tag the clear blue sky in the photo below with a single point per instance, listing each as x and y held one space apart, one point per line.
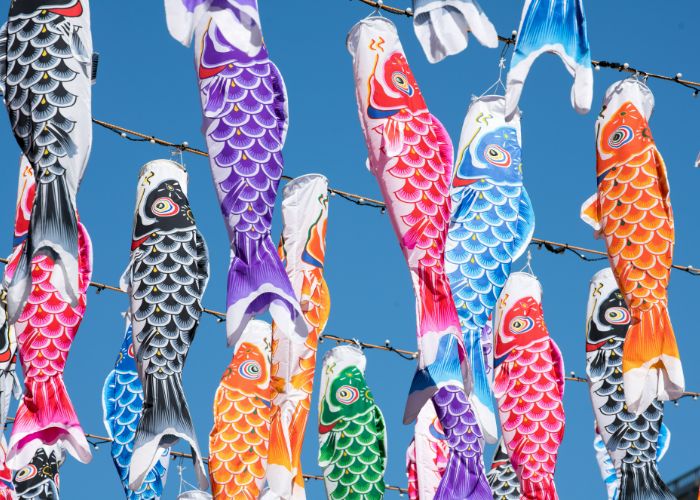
147 82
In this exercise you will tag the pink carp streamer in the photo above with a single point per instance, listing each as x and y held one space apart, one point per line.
45 330
529 386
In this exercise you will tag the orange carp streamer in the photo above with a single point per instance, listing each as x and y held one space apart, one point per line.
238 442
632 212
302 249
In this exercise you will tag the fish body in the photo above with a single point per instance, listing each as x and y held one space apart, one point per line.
302 249
239 440
352 431
557 26
45 329
46 76
426 457
632 212
244 104
122 404
38 480
491 225
632 440
166 278
529 386
502 477
410 154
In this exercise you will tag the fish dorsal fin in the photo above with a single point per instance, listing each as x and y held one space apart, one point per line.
663 442
663 183
558 360
590 212
94 65
526 225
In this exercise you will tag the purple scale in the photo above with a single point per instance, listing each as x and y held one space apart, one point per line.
255 108
464 477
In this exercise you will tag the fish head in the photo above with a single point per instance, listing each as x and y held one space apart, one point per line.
162 204
39 478
608 319
392 88
493 155
67 8
250 369
522 325
622 136
348 394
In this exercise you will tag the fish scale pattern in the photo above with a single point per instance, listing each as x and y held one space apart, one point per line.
244 103
502 477
352 437
463 435
239 440
122 399
534 414
38 69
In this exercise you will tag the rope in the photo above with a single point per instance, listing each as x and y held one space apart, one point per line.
622 67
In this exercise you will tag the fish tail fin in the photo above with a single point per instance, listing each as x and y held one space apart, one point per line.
279 472
651 363
161 426
590 212
46 416
54 231
637 483
464 476
257 281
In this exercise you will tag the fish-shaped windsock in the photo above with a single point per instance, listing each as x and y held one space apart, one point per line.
443 26
491 226
557 26
352 432
122 404
426 457
303 249
46 73
410 154
632 440
632 212
45 329
502 477
166 278
529 386
38 480
239 440
244 103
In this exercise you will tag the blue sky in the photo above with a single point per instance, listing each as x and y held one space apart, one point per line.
146 82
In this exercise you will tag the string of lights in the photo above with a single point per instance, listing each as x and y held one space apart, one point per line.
379 5
96 440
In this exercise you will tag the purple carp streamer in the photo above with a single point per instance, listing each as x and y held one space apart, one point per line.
46 73
165 279
244 103
410 154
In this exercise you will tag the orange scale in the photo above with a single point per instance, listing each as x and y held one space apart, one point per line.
631 252
641 236
222 454
648 203
659 246
624 231
660 274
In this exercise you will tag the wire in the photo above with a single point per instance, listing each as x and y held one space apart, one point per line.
678 78
95 440
551 246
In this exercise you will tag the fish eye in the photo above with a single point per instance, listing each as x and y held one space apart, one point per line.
617 316
521 324
400 81
347 394
165 207
26 473
250 370
621 136
497 156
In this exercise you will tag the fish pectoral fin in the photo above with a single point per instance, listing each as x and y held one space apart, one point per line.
393 138
616 437
590 212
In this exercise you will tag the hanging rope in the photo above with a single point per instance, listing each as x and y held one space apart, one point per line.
678 78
